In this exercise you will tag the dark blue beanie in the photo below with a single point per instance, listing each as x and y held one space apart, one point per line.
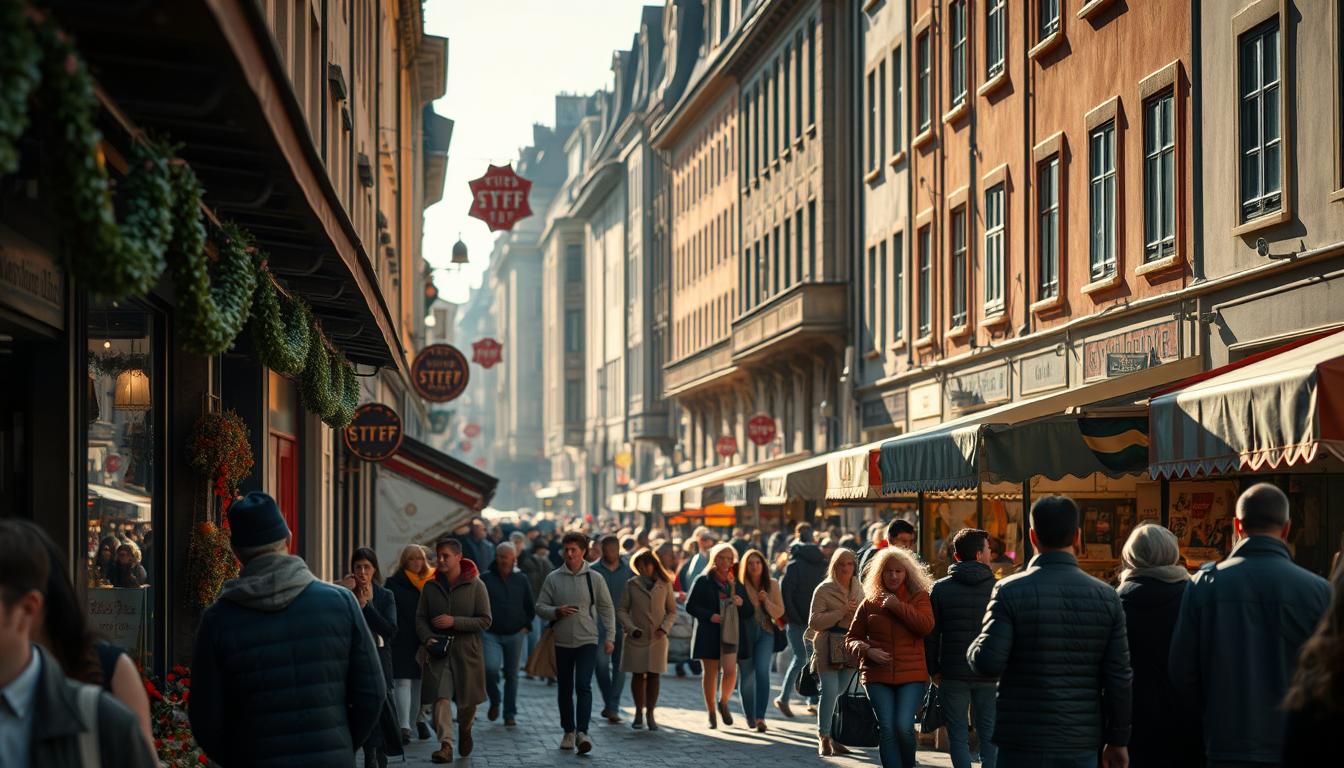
255 521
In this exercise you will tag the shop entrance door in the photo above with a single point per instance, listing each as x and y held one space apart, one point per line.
285 480
15 421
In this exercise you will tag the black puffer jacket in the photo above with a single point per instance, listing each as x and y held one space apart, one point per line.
806 569
1055 638
959 601
1164 735
512 605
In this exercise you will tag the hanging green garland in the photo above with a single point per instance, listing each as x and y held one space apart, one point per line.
281 335
19 76
212 312
347 387
315 384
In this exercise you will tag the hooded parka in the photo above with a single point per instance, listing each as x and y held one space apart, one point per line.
460 675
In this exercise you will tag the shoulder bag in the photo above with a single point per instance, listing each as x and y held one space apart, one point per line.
541 662
854 723
439 646
809 682
933 717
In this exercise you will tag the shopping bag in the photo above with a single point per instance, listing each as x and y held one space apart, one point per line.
541 662
809 682
854 723
933 717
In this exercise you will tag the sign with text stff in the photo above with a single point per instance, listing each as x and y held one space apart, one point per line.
499 198
439 373
375 433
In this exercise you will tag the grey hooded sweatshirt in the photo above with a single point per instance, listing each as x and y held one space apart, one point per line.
564 587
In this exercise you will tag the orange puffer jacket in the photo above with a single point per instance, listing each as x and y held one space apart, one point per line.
899 630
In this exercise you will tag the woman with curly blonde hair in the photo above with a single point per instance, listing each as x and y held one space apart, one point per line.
887 634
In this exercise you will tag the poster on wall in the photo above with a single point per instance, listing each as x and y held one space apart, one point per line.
1003 523
1201 518
117 615
1103 521
947 516
409 513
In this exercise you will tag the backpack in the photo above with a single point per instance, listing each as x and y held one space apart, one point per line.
89 752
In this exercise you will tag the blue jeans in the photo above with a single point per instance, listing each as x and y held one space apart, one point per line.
956 696
895 707
802 651
610 678
833 683
574 671
1009 758
534 635
503 651
753 677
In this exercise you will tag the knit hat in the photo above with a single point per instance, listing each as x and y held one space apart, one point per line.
255 521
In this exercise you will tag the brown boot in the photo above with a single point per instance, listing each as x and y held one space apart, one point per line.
444 755
464 740
823 746
838 749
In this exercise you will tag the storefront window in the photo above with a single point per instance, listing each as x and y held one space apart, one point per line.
120 473
1201 517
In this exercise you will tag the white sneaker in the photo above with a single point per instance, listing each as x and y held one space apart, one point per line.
585 744
568 741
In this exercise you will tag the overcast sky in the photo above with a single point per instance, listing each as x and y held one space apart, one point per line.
506 61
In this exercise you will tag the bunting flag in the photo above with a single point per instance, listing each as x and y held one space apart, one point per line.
1119 443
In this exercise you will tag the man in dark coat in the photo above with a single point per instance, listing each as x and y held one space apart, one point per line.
512 608
898 533
45 716
615 571
1241 625
285 671
959 600
1055 638
805 570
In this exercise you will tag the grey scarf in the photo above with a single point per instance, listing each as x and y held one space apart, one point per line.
728 627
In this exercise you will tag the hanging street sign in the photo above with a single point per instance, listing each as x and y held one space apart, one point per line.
439 373
480 462
726 445
464 446
499 198
487 352
472 429
374 434
761 429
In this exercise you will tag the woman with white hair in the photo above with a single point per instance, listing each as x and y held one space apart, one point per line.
1153 580
722 610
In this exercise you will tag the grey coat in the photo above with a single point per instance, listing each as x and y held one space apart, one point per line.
565 588
460 675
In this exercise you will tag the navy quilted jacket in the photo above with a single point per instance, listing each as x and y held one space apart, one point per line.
1055 638
284 672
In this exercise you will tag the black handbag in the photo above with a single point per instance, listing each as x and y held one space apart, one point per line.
809 682
439 646
933 717
854 723
781 640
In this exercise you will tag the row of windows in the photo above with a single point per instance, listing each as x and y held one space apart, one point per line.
704 325
781 258
712 163
706 249
780 103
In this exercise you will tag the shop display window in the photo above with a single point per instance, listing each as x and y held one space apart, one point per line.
1200 514
121 470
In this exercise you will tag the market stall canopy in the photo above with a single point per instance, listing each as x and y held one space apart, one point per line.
706 489
139 502
1276 409
804 479
854 473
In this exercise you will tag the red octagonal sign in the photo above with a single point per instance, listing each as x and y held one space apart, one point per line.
761 428
726 445
499 198
487 352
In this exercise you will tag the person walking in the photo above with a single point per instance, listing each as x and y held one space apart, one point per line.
702 540
413 572
1314 705
575 599
44 714
512 609
958 601
887 635
535 565
722 609
834 603
1056 708
805 570
379 608
319 693
646 613
454 608
767 609
1252 612
615 571
1152 583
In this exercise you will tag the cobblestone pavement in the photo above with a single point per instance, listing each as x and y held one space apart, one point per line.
682 741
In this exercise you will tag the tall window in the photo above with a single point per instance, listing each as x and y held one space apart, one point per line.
1101 199
1047 210
1159 178
898 286
798 243
798 85
956 12
573 330
995 37
755 132
925 281
811 71
872 121
724 6
786 255
923 82
881 111
1261 135
765 268
784 96
1047 18
880 309
897 101
768 113
958 238
775 265
994 247
871 311
812 239
573 263
781 90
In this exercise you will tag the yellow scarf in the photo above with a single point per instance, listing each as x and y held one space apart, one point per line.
417 580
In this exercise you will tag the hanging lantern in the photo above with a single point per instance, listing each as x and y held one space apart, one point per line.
459 252
132 391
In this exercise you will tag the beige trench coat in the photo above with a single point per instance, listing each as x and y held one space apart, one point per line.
461 675
830 608
647 610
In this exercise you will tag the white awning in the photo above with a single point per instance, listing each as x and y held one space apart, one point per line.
141 502
850 473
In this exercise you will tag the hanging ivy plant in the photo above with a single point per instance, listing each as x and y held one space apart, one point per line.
315 388
280 334
212 312
19 77
347 387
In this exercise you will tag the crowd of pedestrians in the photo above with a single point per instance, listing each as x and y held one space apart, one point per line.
1240 664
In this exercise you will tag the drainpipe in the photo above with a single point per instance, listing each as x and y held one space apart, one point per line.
1028 178
849 404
